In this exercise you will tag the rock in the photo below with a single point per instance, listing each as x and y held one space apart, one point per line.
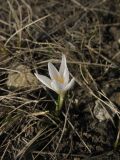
21 77
102 112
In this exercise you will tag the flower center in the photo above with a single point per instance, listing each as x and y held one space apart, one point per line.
59 79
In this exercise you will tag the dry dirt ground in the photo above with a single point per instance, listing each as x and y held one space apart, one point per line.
35 32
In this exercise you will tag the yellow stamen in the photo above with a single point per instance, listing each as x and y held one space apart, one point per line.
59 79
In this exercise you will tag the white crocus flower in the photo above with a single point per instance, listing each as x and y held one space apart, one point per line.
59 81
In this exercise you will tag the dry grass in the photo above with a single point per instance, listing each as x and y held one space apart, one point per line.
32 34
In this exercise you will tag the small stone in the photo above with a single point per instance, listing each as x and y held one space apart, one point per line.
101 111
21 77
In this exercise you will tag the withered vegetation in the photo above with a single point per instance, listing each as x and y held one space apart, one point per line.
35 32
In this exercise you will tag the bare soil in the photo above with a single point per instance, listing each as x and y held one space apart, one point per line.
34 32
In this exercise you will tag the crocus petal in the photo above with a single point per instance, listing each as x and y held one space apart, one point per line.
69 85
57 87
63 65
53 72
66 76
45 80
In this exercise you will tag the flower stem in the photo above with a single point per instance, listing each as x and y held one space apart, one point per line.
60 102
